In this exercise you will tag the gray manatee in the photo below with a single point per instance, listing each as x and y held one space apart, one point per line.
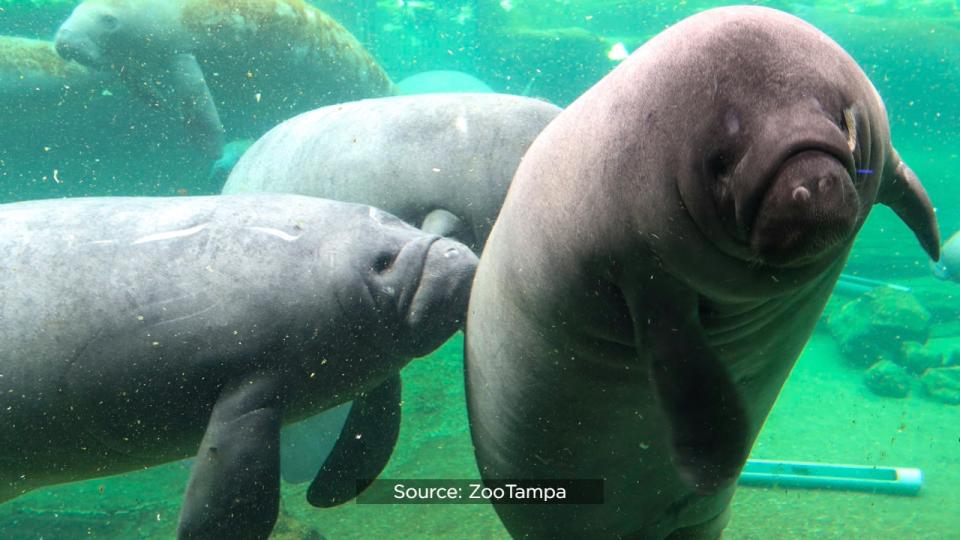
666 248
138 331
442 162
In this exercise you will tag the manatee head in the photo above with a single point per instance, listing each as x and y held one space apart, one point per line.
127 32
411 288
88 33
790 143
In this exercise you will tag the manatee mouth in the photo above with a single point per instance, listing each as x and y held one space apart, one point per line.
433 305
81 50
807 206
748 211
409 292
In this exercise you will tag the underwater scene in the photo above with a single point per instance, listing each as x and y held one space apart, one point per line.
701 255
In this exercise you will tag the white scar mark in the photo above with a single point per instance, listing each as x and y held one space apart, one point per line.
851 123
275 232
170 234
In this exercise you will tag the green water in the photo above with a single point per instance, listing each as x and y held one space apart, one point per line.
555 50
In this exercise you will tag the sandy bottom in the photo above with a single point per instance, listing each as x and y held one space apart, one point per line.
824 414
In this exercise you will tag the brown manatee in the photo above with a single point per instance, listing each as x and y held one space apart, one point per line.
663 254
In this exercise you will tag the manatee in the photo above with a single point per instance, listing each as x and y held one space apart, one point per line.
442 162
666 247
235 63
139 331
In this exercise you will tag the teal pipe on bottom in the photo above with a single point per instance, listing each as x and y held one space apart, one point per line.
799 474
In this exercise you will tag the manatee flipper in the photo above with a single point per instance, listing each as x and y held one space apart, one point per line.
232 151
141 86
305 445
234 488
708 423
364 446
199 111
904 194
444 223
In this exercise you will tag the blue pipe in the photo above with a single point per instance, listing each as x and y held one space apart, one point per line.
854 285
799 474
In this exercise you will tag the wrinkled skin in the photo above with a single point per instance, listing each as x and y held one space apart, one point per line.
665 250
139 331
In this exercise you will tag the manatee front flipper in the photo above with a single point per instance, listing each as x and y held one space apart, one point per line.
904 194
707 420
199 111
142 86
364 446
231 153
234 488
305 445
444 223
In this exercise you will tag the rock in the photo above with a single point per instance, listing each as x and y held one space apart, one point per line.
876 323
919 357
948 348
943 384
953 359
887 379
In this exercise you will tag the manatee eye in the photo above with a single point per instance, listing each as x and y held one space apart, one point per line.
719 164
383 262
108 21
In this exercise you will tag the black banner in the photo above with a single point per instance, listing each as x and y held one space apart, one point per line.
436 491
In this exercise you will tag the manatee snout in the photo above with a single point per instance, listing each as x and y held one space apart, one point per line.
810 206
432 304
75 46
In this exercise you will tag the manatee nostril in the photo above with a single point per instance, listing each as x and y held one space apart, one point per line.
824 184
801 194
62 46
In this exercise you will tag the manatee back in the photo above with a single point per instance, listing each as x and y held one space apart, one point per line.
407 155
